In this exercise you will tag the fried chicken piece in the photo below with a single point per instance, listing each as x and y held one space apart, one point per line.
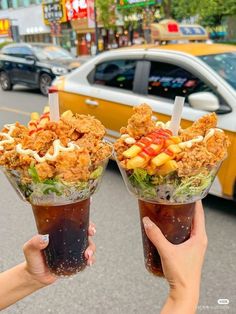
217 144
85 124
73 166
103 151
194 159
43 140
120 146
141 122
45 170
199 127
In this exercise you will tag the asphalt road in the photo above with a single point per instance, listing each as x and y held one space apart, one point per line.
118 282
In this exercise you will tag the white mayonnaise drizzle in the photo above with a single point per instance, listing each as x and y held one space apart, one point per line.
9 138
124 135
57 149
160 124
210 133
190 143
130 140
163 125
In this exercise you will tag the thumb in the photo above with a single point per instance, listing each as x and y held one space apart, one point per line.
155 235
32 249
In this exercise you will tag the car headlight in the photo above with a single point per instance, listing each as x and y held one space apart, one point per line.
59 70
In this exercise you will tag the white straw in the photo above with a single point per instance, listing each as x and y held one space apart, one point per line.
176 115
54 106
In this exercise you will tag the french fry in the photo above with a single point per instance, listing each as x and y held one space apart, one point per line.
175 149
67 114
34 116
160 159
132 151
168 167
136 162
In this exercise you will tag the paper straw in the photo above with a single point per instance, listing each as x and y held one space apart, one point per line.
176 115
53 103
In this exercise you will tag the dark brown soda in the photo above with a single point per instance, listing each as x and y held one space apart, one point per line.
175 222
67 226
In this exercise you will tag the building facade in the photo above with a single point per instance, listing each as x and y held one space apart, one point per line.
26 18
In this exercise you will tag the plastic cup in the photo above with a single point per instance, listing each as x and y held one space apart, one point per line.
175 222
169 202
67 226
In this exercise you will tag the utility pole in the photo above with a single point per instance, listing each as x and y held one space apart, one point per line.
96 26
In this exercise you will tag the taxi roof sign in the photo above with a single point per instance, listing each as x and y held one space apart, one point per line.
168 30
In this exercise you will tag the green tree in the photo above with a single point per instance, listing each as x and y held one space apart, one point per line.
106 13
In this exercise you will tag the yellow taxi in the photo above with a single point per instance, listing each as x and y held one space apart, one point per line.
109 85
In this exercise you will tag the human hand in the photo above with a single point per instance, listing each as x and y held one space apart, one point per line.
182 263
35 263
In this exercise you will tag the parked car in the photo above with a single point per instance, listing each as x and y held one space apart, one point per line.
34 65
109 85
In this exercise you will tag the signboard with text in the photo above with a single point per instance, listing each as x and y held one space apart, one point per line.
54 11
76 9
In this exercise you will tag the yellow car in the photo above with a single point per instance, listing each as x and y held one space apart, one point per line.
109 85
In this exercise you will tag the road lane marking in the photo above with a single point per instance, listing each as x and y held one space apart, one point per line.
24 113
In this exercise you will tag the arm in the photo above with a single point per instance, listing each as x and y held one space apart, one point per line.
12 290
182 264
32 275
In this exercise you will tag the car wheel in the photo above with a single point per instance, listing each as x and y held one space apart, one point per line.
45 82
5 81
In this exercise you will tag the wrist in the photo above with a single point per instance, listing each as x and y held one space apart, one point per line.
30 278
187 296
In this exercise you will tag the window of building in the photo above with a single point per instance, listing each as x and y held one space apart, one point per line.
117 73
168 80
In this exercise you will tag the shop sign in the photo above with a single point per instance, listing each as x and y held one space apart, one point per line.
136 3
76 9
5 27
54 11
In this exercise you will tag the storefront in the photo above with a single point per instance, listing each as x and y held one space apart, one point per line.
82 18
29 23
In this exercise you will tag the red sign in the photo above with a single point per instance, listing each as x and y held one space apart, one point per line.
5 26
76 9
173 27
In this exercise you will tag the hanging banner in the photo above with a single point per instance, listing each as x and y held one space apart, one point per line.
91 14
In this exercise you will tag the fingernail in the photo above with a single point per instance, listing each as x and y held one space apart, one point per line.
93 229
147 223
44 238
90 263
89 254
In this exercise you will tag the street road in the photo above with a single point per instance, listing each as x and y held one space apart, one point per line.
118 282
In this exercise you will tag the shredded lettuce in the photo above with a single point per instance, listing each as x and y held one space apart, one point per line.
141 180
34 174
193 185
96 173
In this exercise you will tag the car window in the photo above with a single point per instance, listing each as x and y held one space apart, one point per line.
169 80
117 73
19 51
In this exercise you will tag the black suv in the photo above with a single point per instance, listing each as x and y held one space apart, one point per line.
34 65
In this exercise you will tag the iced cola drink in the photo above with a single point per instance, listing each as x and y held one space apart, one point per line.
168 169
56 166
67 226
175 222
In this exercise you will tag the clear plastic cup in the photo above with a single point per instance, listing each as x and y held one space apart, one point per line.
169 202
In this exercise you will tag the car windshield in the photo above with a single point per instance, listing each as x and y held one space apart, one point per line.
51 53
224 64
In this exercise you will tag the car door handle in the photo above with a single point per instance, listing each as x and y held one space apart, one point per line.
91 102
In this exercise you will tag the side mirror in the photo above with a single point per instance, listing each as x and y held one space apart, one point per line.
31 59
204 101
